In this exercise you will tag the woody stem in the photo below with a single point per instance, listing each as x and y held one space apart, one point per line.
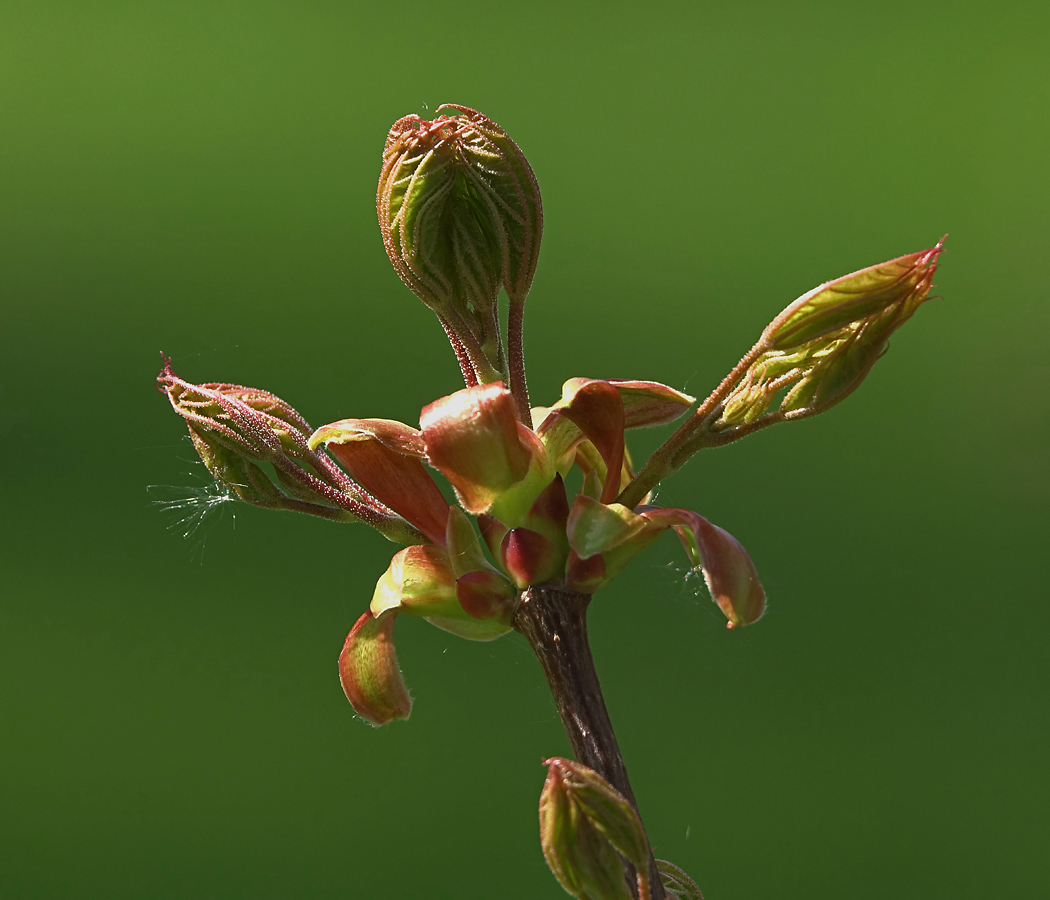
554 622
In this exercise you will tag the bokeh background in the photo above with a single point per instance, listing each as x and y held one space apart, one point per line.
198 178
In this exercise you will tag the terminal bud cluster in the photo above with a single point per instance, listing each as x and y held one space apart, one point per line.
477 492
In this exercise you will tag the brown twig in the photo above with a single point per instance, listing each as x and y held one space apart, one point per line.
554 622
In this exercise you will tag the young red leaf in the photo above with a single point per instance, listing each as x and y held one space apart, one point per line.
369 672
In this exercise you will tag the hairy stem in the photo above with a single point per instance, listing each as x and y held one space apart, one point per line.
493 332
516 360
465 365
554 622
455 324
676 450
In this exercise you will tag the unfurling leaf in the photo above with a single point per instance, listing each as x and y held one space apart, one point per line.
585 826
810 357
822 346
235 428
460 212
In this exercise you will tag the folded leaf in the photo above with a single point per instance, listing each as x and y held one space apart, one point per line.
487 596
372 451
472 437
369 672
595 527
680 885
645 403
853 298
616 534
464 547
398 436
594 411
420 581
598 411
823 345
530 558
728 570
584 824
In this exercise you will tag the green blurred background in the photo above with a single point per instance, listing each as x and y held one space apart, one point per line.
199 178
